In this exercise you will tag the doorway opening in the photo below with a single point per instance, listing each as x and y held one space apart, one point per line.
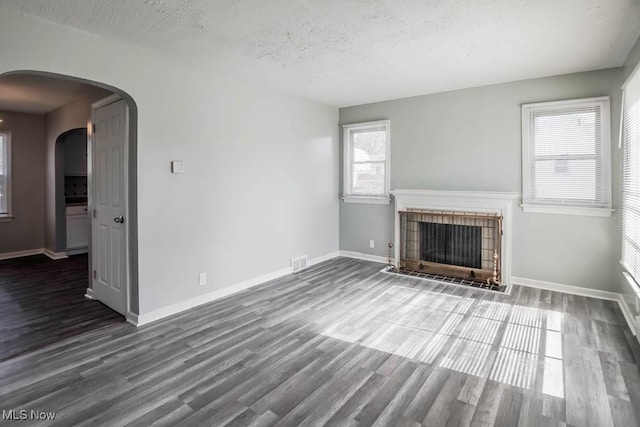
71 192
55 198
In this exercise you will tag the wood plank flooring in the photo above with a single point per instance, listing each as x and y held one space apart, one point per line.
42 301
343 344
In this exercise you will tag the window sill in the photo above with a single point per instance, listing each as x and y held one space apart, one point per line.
630 280
6 218
567 210
368 200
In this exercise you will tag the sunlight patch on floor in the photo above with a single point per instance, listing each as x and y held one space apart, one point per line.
461 334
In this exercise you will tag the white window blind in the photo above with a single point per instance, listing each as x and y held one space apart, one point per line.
566 153
4 174
366 161
631 177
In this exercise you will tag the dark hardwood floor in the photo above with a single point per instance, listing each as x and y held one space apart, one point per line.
343 344
42 301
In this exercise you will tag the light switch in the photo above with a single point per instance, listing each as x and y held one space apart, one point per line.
177 166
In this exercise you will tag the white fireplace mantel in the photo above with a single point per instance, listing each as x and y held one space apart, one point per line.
461 201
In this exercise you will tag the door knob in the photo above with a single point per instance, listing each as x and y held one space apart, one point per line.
118 220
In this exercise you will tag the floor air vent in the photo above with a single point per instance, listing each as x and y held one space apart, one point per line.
298 264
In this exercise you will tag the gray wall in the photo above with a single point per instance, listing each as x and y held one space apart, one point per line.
261 166
471 140
26 230
75 153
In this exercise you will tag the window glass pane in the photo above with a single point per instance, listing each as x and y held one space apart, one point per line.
632 226
3 195
631 170
567 153
631 179
369 145
565 179
368 178
558 134
631 257
3 150
366 161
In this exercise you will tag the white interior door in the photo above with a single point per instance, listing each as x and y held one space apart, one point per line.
109 203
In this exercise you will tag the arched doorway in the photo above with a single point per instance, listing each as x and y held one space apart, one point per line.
71 192
56 245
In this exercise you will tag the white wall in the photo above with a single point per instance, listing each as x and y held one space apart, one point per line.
261 166
632 60
471 140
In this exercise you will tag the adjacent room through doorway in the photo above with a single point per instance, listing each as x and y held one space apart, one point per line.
50 176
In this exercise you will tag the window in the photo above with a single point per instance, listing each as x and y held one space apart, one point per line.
566 165
366 162
5 175
631 177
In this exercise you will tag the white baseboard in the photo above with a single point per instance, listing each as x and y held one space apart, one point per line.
628 315
132 318
19 254
583 292
152 316
632 289
365 257
55 255
567 289
78 251
323 258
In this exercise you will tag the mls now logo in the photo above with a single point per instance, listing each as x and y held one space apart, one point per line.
23 414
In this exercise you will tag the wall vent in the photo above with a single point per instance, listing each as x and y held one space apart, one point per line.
298 264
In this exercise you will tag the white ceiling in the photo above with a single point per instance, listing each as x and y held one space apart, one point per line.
26 93
348 52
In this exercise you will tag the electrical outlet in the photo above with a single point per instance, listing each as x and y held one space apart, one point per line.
371 244
203 278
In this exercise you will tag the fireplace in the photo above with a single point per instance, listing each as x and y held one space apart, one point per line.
454 235
451 244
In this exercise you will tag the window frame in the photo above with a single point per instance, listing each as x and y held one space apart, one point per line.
629 271
347 160
7 216
567 207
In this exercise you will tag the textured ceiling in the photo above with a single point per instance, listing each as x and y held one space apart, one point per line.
347 52
27 93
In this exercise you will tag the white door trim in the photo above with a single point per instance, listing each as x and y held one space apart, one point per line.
91 202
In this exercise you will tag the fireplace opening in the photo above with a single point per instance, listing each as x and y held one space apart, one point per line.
452 244
460 245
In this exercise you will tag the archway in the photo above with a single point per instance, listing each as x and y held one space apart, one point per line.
71 187
55 183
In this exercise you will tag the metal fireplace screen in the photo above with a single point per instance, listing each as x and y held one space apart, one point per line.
454 244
